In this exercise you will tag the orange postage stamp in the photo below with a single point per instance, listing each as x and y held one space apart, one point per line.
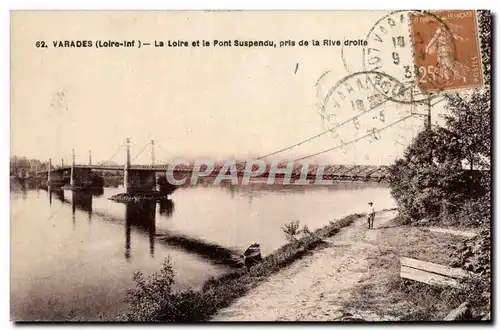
446 50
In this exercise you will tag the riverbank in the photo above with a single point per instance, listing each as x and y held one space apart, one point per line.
313 288
154 300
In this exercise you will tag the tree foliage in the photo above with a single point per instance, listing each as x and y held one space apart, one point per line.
428 181
293 232
445 171
155 299
20 166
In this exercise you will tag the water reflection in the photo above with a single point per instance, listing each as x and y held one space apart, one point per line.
166 207
25 192
83 201
204 234
141 214
80 199
59 194
96 191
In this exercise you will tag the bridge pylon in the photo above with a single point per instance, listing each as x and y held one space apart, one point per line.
49 170
127 166
152 153
137 181
72 173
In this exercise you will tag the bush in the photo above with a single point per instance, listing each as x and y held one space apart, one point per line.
292 232
430 182
474 212
154 299
477 291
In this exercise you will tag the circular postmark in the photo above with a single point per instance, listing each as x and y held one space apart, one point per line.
60 100
357 110
392 45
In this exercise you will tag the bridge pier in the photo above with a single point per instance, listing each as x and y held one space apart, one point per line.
139 181
82 177
55 178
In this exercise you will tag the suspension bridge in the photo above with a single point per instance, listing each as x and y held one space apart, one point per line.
144 177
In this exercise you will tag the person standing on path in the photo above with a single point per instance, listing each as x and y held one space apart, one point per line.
371 215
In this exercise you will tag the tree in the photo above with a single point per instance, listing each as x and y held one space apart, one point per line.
430 181
22 165
469 119
469 115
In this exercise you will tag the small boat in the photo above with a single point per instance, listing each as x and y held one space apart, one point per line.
252 256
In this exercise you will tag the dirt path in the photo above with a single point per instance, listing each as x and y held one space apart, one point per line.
313 288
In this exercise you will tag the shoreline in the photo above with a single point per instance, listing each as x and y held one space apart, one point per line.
315 287
143 196
356 277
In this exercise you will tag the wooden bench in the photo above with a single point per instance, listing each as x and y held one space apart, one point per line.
431 273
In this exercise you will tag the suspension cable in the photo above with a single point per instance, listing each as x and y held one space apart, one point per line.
142 150
113 155
355 140
324 132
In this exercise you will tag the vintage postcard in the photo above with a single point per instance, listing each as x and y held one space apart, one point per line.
207 166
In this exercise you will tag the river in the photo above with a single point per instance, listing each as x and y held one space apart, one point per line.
73 255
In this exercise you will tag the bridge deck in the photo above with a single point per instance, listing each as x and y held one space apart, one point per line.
330 171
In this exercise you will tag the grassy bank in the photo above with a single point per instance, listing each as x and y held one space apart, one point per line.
154 299
384 292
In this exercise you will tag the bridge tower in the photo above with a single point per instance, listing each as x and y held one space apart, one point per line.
153 163
137 180
90 157
152 153
49 179
127 166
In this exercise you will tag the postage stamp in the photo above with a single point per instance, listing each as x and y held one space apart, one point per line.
446 58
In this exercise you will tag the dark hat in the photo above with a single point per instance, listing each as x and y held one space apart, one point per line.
370 203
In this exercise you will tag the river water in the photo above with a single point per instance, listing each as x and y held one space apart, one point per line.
73 255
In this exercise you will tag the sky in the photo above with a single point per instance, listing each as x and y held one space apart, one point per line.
203 102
